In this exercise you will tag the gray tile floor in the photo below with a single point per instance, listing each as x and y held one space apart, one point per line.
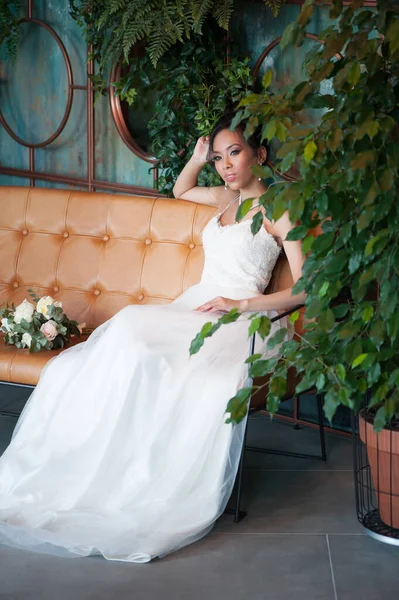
300 540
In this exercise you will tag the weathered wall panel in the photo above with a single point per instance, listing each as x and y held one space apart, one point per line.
33 94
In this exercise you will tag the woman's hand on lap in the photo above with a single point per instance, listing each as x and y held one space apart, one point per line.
221 304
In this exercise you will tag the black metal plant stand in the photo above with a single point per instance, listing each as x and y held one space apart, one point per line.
375 497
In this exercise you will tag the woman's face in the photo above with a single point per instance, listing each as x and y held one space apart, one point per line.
233 159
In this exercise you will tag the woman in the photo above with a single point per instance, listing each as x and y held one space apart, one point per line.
123 449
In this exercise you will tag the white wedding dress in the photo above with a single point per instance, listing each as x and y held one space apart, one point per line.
122 449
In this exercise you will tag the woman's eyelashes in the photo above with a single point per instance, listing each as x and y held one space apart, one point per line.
232 153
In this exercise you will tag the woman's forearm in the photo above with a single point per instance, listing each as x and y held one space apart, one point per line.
277 301
188 178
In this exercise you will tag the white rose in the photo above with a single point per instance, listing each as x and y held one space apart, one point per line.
25 311
44 303
6 325
26 340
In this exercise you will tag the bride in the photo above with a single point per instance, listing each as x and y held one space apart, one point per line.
123 449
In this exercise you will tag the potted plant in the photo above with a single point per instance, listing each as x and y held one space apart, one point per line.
348 160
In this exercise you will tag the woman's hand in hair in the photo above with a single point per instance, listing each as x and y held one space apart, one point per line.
201 149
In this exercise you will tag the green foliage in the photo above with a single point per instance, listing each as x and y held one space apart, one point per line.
195 86
115 26
9 27
348 184
184 65
349 164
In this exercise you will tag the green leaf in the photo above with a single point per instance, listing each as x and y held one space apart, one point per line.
320 382
359 359
386 180
262 171
297 233
363 159
367 314
254 326
380 420
277 338
267 78
278 386
326 320
244 209
344 397
331 402
335 139
324 289
384 233
281 131
257 223
307 243
270 130
253 358
354 73
286 38
310 151
305 15
341 372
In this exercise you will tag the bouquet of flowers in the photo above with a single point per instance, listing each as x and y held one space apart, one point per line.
39 326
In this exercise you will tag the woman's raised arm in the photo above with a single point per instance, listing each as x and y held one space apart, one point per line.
186 184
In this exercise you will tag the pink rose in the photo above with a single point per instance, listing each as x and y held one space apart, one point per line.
50 330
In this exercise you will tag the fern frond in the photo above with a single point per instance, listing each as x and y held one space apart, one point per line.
199 10
116 5
222 12
274 6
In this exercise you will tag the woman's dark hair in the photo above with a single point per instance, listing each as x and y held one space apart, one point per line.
254 141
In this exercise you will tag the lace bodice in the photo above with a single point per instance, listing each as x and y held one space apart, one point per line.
236 258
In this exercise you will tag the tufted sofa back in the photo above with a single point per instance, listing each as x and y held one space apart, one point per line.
98 252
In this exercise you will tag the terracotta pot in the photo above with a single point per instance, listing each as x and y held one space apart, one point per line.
383 457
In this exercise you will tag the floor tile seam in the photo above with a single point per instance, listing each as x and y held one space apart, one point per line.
331 568
253 469
284 533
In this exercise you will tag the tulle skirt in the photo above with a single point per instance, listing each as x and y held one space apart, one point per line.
122 449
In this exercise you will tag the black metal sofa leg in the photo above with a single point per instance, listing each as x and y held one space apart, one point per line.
319 398
236 511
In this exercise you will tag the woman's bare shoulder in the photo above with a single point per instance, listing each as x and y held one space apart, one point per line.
214 196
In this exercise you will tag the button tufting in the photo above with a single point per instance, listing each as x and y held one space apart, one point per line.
56 289
141 297
191 245
15 284
66 234
148 241
25 232
106 238
96 292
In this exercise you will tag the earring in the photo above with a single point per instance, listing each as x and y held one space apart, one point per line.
226 186
260 164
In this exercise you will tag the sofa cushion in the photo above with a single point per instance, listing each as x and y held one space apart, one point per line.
21 366
98 252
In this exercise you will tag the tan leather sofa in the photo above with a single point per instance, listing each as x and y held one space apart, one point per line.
96 253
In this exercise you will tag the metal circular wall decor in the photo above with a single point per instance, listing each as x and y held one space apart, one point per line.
255 73
69 97
120 121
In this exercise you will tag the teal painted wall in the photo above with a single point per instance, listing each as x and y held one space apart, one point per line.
33 93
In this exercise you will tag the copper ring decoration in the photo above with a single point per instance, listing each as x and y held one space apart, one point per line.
120 123
255 73
70 91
